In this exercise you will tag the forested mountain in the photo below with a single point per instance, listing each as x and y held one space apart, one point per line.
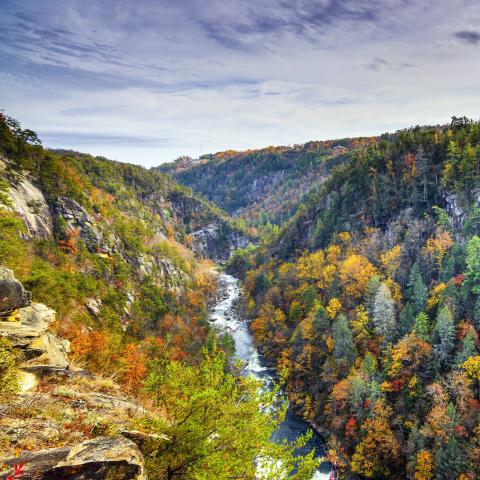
265 185
368 301
109 367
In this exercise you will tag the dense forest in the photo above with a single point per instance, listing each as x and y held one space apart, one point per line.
367 300
263 187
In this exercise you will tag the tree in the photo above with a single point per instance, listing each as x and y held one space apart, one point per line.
217 425
448 461
424 467
376 456
369 298
384 313
355 272
417 291
343 349
443 338
467 349
422 326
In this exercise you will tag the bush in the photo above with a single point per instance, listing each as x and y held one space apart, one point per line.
8 368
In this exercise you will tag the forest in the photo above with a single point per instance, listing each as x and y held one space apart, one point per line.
368 300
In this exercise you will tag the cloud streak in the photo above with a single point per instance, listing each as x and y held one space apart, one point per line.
149 80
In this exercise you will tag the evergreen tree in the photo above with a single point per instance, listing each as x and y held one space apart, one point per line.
422 326
384 313
417 291
406 319
448 461
443 338
369 299
343 349
467 349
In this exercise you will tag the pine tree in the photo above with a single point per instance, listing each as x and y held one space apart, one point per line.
369 299
467 349
417 291
448 461
384 313
443 338
406 319
422 326
344 349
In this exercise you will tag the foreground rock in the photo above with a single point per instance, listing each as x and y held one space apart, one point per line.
27 326
12 293
101 458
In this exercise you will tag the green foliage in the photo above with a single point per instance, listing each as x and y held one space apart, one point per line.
422 326
344 348
443 337
8 368
218 425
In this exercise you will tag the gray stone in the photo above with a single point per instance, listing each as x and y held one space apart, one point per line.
12 293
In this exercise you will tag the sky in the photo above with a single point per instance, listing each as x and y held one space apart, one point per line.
147 81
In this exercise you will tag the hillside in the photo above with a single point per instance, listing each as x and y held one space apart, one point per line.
109 367
265 185
368 300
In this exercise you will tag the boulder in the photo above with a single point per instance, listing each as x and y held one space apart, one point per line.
99 459
31 323
12 293
28 331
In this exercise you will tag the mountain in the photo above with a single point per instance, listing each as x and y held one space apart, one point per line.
109 367
264 185
368 300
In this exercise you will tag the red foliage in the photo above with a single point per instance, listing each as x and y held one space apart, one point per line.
18 471
351 428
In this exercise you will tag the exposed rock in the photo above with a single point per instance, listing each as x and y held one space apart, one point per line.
217 240
32 322
29 332
78 218
12 293
93 306
28 201
51 350
101 458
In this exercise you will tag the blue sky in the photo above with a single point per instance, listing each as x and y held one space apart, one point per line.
146 81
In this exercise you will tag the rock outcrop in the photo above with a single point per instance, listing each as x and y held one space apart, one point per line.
217 240
77 218
26 327
101 458
29 203
12 293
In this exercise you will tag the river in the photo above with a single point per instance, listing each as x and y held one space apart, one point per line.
226 318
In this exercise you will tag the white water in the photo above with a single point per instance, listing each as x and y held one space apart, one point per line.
226 319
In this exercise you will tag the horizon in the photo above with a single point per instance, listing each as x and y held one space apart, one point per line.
147 82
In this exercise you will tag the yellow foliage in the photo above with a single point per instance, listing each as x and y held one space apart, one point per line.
437 246
472 367
310 265
424 468
345 238
390 261
395 290
333 307
435 295
386 387
355 272
330 344
333 253
360 320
